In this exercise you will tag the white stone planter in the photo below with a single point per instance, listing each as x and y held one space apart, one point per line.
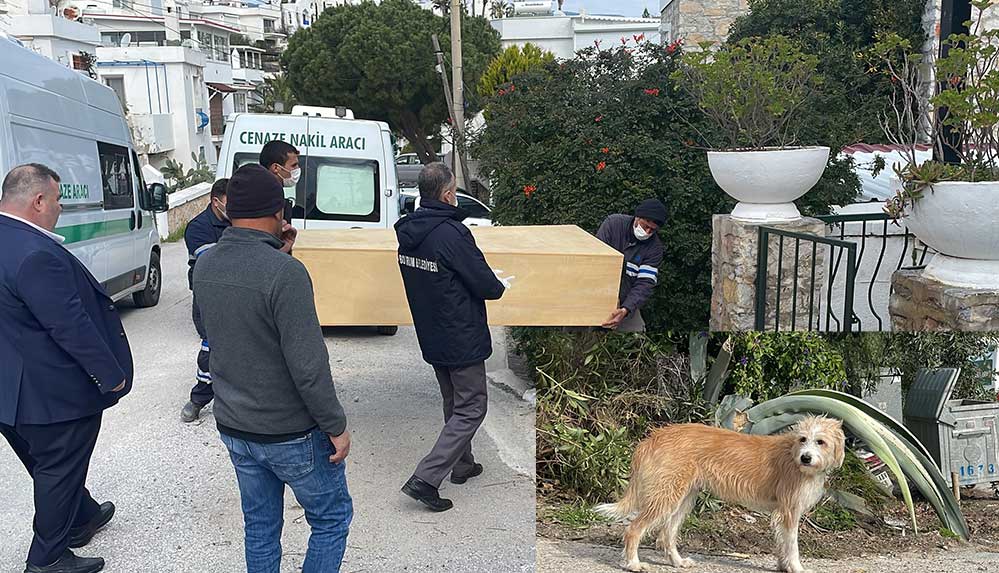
960 221
767 182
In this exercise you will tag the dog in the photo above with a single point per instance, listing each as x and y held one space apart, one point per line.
784 475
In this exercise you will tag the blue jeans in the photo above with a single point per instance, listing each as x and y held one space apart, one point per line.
320 487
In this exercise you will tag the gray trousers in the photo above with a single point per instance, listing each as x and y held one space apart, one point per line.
465 398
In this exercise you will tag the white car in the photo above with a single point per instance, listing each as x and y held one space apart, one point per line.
478 214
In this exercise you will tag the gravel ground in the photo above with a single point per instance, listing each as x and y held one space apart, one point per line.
178 506
561 556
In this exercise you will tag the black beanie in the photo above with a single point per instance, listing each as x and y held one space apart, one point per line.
651 209
253 192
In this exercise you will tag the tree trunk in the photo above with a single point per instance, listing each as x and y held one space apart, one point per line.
417 136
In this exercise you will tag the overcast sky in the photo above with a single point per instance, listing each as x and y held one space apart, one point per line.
622 7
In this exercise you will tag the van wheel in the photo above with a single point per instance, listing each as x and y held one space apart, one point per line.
388 330
154 282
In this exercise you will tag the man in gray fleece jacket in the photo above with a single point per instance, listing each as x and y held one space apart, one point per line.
275 404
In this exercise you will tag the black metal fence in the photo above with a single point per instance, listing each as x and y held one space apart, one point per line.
841 255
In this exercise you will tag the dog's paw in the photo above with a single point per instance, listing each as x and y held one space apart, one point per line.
637 566
685 563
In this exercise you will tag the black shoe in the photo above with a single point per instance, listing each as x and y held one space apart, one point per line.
69 563
190 412
460 478
80 536
427 494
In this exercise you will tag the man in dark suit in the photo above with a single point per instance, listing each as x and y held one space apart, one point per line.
64 359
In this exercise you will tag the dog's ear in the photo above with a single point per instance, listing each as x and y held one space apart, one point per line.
839 446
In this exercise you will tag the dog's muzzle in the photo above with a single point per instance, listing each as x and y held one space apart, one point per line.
806 459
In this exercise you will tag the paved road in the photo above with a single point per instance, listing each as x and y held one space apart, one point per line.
561 556
178 506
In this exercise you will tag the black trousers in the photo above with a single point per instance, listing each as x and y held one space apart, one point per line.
202 393
465 403
57 457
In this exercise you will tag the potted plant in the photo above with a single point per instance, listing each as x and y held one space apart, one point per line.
951 207
752 93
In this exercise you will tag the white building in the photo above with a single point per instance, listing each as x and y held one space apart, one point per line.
167 99
54 32
564 34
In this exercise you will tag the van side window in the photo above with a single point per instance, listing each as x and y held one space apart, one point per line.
473 208
116 176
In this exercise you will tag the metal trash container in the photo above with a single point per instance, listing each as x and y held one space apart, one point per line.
961 435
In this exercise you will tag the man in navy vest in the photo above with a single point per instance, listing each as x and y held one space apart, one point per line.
64 359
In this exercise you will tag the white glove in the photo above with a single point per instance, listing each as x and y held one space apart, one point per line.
505 280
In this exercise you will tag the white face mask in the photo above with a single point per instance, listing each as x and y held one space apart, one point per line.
293 179
640 233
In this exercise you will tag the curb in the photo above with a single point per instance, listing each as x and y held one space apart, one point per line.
505 379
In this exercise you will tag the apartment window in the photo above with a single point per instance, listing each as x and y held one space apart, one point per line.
205 39
268 26
239 102
221 44
185 34
121 4
117 84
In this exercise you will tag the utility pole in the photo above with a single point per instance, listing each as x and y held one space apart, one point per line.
458 159
458 97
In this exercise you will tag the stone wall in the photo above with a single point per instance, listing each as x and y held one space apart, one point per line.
698 21
184 205
733 275
922 304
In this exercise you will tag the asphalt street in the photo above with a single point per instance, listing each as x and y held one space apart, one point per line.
178 505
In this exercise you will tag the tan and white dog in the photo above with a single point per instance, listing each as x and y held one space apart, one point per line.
783 474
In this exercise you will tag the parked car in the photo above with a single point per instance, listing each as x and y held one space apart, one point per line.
478 214
408 166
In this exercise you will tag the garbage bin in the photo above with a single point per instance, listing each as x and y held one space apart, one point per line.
961 435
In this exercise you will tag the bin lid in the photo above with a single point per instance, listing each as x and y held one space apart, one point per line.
929 393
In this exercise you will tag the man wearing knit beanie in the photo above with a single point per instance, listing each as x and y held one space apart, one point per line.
276 407
636 238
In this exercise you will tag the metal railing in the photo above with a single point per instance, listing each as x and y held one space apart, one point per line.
814 303
874 228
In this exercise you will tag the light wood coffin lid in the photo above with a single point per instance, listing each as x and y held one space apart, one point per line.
564 276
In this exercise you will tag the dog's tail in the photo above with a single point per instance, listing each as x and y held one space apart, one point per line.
623 509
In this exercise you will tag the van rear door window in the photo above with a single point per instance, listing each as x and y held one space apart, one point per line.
116 176
346 189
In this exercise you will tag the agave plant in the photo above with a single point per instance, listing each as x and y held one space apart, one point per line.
906 458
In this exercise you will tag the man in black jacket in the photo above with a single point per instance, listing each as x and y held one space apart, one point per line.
447 283
636 238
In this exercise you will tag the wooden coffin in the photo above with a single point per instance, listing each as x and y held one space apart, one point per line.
564 276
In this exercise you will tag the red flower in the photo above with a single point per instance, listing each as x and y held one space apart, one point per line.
955 80
624 40
512 87
596 43
529 190
598 118
674 46
604 150
639 37
601 166
652 92
689 143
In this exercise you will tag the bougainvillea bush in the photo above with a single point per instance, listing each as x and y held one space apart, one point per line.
577 140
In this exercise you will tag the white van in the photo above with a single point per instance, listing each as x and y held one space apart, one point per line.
348 165
56 116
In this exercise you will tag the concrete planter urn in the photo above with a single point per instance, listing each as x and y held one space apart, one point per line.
958 219
767 182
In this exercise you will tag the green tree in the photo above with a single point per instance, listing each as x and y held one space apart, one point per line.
513 61
645 13
378 60
274 90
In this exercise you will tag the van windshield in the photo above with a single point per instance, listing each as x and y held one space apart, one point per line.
332 188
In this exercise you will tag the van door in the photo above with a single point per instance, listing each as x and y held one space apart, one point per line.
118 182
342 192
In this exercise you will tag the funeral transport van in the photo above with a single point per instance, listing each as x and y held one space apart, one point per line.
59 117
348 165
